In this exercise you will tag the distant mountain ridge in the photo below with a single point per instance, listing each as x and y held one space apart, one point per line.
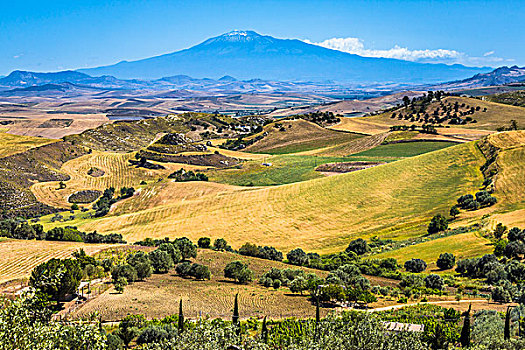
499 76
247 55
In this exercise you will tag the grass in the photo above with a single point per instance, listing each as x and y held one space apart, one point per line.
403 150
19 257
298 136
284 169
12 144
395 200
158 296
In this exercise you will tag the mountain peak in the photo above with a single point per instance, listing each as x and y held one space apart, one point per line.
236 36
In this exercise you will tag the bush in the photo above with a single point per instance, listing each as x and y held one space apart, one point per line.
204 242
415 265
358 246
238 271
172 250
434 281
220 244
156 334
126 271
446 261
186 247
141 263
297 257
501 295
183 269
56 278
200 272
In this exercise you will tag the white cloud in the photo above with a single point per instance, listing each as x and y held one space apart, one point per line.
356 46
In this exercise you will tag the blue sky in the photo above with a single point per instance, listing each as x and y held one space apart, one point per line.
54 35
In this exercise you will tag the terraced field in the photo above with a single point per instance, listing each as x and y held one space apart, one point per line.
322 214
118 172
19 257
11 144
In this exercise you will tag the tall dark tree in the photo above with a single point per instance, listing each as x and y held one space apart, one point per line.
465 331
235 317
506 331
181 318
264 331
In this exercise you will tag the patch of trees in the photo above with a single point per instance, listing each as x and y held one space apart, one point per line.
197 271
266 252
437 224
482 199
446 261
56 278
23 230
182 175
513 125
241 142
321 118
140 265
415 284
296 279
104 203
415 265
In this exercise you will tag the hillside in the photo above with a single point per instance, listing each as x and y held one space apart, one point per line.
292 136
489 117
11 144
515 98
322 214
248 55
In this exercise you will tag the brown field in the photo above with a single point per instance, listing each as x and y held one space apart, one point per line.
158 296
19 257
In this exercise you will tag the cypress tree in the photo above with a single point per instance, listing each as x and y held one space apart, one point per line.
506 332
264 331
317 312
235 318
181 318
465 331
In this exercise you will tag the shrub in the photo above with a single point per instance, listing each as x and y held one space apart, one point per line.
238 271
204 242
186 247
220 244
297 257
126 271
141 263
446 261
183 269
415 265
200 272
172 250
358 246
434 281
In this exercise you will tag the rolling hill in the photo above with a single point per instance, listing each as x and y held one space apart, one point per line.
321 214
248 55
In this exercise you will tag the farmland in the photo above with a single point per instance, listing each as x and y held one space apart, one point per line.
292 136
20 257
302 214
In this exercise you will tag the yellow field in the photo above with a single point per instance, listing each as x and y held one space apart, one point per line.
394 200
118 172
11 144
19 257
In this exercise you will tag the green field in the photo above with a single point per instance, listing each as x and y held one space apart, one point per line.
404 149
284 169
